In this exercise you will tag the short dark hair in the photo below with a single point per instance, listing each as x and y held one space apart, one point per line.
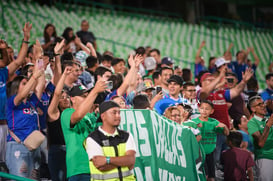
154 50
117 60
107 58
253 99
252 84
117 80
268 76
155 75
236 122
186 75
140 50
164 68
187 84
141 101
101 71
235 137
66 56
207 102
91 61
187 108
68 63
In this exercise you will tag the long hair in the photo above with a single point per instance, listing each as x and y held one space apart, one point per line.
65 35
46 36
12 87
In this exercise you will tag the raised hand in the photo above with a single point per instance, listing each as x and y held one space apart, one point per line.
26 31
131 60
77 40
100 86
58 49
138 60
247 74
37 50
203 43
67 70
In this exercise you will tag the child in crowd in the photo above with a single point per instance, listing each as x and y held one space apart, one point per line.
237 162
209 128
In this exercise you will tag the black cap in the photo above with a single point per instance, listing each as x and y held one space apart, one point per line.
176 78
167 61
78 90
106 105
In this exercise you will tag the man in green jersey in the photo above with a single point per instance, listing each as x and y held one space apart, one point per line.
261 130
77 123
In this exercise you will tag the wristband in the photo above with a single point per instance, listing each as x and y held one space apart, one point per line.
108 160
27 42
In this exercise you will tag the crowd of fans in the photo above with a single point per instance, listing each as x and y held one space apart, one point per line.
44 84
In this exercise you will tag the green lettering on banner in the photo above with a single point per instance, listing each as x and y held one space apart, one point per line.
165 150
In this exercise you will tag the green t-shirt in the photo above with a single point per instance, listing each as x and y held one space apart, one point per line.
257 124
76 157
208 133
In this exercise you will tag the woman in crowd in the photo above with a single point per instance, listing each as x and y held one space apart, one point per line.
57 150
22 119
49 37
174 114
70 44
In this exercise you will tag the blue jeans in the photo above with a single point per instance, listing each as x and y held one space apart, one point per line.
22 162
80 177
220 146
56 162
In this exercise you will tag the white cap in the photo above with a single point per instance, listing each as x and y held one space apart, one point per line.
150 63
221 61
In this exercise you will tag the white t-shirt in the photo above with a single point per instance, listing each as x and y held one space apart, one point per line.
94 149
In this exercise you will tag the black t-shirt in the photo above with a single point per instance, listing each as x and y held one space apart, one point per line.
86 36
55 133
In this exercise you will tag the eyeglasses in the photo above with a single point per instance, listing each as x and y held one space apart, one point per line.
193 90
260 104
176 115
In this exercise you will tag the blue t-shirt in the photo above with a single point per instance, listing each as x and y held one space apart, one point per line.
198 68
22 119
247 138
238 69
4 74
267 94
166 102
115 93
44 103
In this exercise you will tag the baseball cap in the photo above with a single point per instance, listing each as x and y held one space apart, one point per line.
150 63
167 61
81 57
204 76
106 105
145 85
78 90
220 61
177 79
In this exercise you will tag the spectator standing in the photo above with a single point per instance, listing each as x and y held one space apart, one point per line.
199 61
49 37
111 151
261 130
76 124
164 75
267 94
237 162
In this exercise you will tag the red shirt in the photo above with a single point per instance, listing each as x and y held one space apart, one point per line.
219 99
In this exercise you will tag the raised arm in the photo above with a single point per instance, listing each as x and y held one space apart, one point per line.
86 105
13 66
92 49
197 56
132 72
205 91
256 58
58 51
3 50
229 47
53 111
29 85
234 92
261 138
132 86
81 45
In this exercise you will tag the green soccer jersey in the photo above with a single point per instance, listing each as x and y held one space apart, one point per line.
258 124
208 133
77 161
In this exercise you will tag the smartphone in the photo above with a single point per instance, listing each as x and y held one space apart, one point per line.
40 63
109 84
158 89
